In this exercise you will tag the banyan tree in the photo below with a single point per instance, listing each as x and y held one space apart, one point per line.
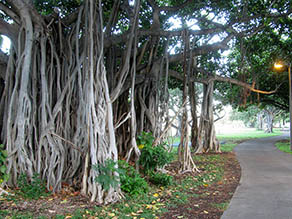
85 77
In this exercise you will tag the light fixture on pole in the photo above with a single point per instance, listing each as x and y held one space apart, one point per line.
281 66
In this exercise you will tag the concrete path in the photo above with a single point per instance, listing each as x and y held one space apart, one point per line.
265 189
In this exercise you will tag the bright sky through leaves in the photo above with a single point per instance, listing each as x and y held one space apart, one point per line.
6 44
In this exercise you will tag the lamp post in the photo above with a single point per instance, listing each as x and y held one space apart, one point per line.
281 65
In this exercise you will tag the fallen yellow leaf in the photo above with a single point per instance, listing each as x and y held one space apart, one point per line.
206 212
134 214
155 195
111 214
148 206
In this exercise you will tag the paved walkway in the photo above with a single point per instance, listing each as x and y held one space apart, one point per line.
265 189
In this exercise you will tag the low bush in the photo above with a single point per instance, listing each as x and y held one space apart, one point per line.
152 157
31 188
106 174
161 179
131 181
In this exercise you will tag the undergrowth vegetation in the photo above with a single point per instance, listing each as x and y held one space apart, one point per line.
3 156
148 200
284 146
149 193
31 189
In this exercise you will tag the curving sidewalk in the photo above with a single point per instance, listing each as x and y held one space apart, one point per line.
265 189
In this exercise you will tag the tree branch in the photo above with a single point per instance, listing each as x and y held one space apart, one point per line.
204 49
10 13
242 84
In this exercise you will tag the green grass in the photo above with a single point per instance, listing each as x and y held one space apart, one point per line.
227 147
284 146
231 140
222 206
248 135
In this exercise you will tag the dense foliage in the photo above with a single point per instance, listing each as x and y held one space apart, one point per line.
152 157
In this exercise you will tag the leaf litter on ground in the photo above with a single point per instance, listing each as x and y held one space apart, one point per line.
195 195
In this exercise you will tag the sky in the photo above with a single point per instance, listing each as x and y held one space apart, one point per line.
6 44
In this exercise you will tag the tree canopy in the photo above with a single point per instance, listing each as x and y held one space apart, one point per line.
84 78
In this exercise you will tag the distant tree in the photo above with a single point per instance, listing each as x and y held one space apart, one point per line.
249 116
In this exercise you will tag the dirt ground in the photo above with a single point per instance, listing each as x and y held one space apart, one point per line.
212 200
205 202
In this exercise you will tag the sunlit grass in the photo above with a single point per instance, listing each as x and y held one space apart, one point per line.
227 147
229 141
248 135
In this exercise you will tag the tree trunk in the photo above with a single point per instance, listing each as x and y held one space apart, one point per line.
206 140
260 121
269 119
193 103
184 152
58 114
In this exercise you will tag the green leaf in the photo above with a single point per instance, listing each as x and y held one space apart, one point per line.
3 169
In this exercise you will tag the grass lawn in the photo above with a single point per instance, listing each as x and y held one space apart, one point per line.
284 146
229 141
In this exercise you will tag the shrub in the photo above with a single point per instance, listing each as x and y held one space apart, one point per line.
161 179
145 139
3 169
106 176
131 181
154 157
31 189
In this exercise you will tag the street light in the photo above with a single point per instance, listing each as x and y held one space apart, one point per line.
281 66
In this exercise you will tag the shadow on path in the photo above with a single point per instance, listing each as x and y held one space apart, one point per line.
265 189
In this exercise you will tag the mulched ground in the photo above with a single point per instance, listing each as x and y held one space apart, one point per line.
212 200
205 202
